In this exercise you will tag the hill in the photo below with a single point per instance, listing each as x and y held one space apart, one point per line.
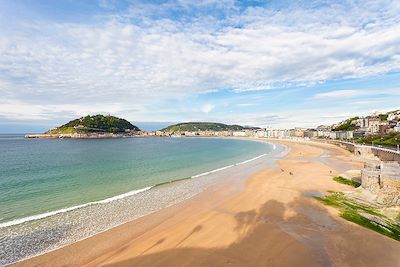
204 126
347 125
95 124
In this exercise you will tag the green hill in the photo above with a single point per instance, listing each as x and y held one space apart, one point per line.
204 126
94 124
348 125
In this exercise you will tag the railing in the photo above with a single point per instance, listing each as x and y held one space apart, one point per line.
387 149
396 151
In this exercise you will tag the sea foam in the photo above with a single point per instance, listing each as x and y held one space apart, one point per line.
51 213
114 198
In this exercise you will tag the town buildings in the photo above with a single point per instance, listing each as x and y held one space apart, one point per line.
373 124
357 127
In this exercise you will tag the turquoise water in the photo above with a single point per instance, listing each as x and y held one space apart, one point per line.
42 175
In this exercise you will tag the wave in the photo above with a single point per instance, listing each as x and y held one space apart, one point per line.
51 213
212 171
118 197
171 181
249 160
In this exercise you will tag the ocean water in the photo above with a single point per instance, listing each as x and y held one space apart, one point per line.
56 192
47 176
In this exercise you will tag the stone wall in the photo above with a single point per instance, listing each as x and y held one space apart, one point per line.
386 155
363 151
390 170
371 176
381 172
348 146
390 181
369 151
383 179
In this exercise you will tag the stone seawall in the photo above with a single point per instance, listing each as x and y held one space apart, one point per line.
383 179
348 146
381 153
390 171
386 154
381 172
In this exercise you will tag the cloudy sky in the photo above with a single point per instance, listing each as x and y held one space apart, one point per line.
264 63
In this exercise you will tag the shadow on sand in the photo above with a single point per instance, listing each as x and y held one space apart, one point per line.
265 239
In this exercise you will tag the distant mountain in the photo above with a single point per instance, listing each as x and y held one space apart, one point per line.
204 126
95 124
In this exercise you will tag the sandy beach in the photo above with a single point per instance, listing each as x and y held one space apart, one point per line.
271 220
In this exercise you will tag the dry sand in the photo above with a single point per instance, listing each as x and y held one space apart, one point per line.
271 221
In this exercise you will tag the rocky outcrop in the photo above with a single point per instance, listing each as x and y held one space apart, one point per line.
81 135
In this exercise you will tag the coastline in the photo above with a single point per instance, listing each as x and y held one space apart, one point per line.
69 225
79 136
272 216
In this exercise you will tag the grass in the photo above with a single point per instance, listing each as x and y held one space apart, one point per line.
390 139
397 219
343 180
361 214
63 130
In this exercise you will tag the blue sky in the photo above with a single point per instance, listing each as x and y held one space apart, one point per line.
265 63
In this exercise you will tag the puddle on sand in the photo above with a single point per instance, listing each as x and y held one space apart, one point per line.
313 194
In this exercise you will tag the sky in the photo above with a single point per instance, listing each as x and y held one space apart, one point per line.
277 64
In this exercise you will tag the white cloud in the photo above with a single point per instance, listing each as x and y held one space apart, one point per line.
339 94
207 108
126 62
246 104
20 111
357 93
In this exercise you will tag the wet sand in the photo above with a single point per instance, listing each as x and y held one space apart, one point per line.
272 220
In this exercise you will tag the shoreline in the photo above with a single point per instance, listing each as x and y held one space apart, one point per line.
40 216
274 203
184 188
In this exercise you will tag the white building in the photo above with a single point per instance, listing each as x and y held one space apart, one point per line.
260 133
362 122
391 117
276 133
332 135
323 133
342 135
397 127
239 133
373 124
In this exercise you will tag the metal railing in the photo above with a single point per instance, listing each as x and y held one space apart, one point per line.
379 147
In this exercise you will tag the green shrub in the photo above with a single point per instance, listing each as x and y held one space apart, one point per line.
350 210
343 180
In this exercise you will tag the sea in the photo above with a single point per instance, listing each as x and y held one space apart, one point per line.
57 191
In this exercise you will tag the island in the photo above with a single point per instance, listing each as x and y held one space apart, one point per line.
205 126
97 126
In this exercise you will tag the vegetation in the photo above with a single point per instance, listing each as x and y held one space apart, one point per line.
343 180
96 123
383 117
390 139
362 214
204 126
348 125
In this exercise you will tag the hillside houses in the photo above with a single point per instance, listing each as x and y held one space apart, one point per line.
350 129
